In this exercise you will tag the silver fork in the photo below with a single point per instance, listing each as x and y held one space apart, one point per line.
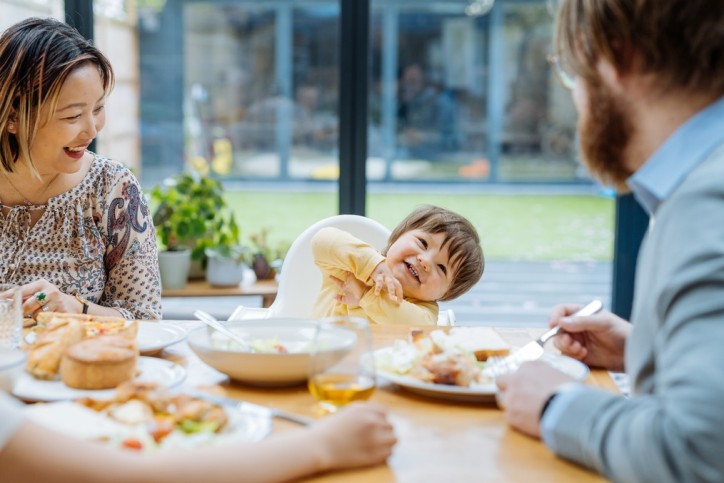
497 366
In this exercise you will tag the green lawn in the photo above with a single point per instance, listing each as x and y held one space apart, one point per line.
512 227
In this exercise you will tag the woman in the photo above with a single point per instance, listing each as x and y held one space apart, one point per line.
75 231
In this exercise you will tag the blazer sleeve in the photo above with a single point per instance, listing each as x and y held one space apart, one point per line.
672 428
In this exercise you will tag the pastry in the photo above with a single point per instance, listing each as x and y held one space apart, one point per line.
99 363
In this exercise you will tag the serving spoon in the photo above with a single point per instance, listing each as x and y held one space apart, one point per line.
216 325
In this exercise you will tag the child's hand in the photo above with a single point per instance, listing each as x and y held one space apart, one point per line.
351 290
384 280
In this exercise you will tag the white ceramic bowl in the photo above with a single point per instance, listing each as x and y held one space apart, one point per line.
12 362
266 369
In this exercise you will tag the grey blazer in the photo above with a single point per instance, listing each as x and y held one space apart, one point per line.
672 428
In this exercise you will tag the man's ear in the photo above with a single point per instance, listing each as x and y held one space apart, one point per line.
616 77
12 123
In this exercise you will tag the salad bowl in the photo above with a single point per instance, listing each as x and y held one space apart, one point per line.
277 350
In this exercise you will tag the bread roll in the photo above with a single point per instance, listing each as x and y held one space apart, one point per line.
99 363
45 354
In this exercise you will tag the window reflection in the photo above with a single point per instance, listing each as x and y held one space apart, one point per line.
452 97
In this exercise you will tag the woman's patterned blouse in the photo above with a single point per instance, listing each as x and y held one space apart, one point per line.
96 240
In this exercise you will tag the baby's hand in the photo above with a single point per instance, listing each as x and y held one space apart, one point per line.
384 280
351 290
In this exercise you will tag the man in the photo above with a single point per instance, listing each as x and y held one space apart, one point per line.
649 88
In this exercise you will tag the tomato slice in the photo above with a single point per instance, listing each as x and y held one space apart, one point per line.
132 443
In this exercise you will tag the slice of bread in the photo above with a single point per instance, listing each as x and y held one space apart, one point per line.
484 342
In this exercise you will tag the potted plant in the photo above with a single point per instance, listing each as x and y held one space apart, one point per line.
265 260
227 257
187 207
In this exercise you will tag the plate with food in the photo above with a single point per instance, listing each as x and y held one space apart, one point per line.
147 369
153 337
149 418
449 365
72 354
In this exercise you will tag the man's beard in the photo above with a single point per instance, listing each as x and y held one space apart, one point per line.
605 131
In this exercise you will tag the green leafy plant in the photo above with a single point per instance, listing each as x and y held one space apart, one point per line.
188 208
226 240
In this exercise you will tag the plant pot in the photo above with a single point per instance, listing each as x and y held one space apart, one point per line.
174 268
224 272
262 268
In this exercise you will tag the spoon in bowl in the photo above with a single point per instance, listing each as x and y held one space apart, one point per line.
216 325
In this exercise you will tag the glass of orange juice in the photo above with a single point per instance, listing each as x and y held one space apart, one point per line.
342 368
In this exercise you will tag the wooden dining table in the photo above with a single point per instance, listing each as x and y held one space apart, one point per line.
438 440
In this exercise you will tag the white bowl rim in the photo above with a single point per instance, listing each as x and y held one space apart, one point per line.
12 362
261 324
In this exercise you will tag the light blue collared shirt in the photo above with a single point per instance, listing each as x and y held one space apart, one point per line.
651 184
688 146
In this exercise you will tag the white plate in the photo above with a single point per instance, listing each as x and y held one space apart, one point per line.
151 369
81 422
480 392
153 337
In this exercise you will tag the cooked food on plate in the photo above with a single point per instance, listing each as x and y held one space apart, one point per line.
90 352
456 357
156 417
100 362
141 416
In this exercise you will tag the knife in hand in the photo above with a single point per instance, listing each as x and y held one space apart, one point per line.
534 350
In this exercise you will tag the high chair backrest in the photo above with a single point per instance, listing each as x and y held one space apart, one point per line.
300 279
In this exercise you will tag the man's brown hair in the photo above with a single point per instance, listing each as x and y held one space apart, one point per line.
461 238
681 41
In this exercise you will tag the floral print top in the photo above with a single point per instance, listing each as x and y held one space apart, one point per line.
96 240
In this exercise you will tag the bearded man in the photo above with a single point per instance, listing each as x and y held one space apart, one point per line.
648 82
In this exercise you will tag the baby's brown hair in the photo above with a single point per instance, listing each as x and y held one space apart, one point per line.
466 255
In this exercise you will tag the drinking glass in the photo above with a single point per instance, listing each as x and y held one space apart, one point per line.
342 367
11 315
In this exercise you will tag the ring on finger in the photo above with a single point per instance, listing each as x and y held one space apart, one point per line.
44 308
41 298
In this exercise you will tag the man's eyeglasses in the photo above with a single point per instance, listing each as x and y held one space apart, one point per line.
566 79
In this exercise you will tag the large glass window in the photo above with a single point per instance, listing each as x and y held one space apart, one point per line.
455 96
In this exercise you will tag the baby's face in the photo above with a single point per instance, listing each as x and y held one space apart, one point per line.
421 265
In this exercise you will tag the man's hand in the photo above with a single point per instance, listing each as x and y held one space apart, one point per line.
350 290
522 394
384 280
597 340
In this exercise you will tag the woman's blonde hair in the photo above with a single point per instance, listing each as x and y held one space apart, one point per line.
461 238
36 57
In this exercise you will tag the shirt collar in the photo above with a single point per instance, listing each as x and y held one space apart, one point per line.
688 146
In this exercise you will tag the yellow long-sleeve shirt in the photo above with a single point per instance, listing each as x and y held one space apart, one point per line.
336 253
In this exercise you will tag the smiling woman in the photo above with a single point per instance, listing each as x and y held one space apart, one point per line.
75 231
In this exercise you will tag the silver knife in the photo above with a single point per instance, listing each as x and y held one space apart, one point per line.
534 350
248 407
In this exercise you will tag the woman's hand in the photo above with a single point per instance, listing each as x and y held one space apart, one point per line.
42 295
358 435
597 340
384 280
350 290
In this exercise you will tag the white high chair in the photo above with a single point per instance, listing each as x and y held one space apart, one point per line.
300 279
